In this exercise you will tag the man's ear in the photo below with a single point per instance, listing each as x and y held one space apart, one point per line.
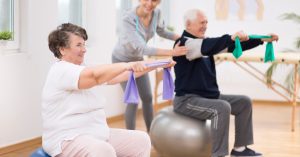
188 24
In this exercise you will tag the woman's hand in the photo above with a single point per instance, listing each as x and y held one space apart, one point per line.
162 63
171 64
138 66
141 66
179 50
274 37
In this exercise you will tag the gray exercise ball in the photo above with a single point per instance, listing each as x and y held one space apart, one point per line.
175 135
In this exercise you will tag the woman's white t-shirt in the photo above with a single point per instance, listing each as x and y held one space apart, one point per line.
68 111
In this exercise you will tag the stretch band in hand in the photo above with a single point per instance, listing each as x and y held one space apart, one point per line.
269 53
131 95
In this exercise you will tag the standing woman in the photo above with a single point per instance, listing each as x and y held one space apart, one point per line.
138 26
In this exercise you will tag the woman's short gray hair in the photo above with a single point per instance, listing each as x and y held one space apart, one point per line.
190 15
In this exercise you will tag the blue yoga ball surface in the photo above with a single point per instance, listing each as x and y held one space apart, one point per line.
39 153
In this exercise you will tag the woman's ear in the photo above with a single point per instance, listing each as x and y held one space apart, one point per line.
62 51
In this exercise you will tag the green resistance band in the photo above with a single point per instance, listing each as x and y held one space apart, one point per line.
269 53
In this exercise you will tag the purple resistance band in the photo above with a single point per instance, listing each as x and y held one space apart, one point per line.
131 94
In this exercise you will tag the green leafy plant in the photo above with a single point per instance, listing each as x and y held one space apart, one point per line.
5 35
289 79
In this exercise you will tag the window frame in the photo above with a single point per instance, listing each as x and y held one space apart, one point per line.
14 43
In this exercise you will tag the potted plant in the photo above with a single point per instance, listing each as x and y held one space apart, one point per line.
289 79
4 37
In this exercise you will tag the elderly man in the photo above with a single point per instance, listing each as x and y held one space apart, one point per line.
197 92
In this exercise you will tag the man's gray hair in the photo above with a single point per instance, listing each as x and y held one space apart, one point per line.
190 15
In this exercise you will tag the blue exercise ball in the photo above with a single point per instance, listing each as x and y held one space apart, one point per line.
39 153
176 135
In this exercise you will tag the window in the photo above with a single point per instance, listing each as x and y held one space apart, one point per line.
71 11
6 15
9 10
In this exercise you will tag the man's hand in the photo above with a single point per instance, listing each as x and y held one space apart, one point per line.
242 36
274 37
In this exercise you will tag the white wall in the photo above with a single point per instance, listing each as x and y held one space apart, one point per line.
100 24
23 74
232 79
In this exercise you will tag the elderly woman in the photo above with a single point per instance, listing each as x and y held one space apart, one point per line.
74 122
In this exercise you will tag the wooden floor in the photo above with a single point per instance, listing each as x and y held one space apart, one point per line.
271 130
